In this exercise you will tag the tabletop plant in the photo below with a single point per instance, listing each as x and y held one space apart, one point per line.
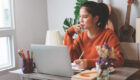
68 22
106 57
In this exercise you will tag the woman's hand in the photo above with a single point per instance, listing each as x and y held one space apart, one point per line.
77 28
81 63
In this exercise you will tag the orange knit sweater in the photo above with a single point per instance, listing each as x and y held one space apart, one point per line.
83 43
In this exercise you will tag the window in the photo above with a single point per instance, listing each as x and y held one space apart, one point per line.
6 35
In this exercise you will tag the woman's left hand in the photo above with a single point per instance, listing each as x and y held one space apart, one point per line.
81 63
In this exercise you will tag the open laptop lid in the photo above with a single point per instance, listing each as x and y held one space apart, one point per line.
54 60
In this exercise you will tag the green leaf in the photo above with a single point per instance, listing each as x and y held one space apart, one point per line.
78 3
71 21
76 21
68 22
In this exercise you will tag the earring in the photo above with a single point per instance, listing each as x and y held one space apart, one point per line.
98 24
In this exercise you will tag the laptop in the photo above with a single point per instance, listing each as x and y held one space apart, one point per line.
53 60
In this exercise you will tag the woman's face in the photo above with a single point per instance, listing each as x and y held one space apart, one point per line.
86 19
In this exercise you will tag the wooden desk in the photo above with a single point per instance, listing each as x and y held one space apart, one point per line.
120 74
136 64
135 76
38 76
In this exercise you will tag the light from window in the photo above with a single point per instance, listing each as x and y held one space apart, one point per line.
5 52
5 18
6 35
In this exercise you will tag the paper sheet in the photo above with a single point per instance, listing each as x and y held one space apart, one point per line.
75 67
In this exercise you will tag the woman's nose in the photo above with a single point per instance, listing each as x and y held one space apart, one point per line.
81 20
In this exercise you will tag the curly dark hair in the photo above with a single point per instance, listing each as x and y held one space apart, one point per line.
97 9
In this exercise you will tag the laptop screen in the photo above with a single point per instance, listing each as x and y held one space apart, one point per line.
54 60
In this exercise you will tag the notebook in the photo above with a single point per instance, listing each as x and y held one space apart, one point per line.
53 60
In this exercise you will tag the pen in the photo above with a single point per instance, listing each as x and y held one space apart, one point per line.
81 55
28 54
23 55
20 55
20 52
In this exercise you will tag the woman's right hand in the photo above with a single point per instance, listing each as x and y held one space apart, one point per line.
77 28
81 63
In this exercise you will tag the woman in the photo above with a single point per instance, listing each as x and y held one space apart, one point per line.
93 18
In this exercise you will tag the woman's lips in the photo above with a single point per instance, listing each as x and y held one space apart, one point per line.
82 26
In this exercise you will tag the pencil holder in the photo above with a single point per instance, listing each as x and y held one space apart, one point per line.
28 66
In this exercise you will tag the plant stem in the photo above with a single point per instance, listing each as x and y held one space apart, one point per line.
101 72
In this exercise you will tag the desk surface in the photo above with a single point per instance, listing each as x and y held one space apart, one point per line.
135 76
39 76
136 64
122 73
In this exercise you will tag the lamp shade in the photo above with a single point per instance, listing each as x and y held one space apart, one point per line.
53 37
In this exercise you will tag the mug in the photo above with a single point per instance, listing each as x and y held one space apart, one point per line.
28 66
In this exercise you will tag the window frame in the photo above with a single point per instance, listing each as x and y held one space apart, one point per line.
10 32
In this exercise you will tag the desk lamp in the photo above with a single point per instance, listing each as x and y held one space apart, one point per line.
53 37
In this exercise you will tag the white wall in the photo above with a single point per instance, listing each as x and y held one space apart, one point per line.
31 22
30 25
58 10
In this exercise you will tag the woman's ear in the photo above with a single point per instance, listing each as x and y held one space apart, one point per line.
96 18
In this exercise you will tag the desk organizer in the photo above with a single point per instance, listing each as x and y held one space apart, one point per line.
27 61
28 66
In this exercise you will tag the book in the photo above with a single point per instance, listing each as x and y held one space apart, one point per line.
85 75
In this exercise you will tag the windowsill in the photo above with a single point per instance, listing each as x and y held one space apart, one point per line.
6 70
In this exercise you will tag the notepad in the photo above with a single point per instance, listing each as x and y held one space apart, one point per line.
85 75
76 68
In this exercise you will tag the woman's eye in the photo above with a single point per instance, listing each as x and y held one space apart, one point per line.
85 16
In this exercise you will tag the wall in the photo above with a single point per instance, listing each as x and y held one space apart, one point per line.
30 27
130 51
31 22
58 10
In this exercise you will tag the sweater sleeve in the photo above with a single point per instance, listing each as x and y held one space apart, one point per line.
114 42
73 45
91 62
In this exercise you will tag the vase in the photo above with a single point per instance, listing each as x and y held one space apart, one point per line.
104 75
